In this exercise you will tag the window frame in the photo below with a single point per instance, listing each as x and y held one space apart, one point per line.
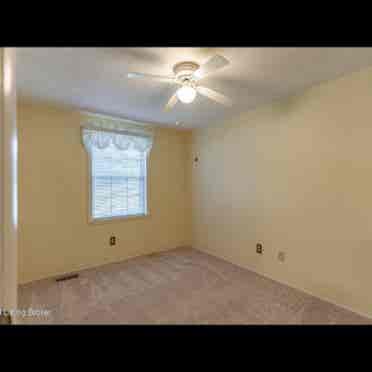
95 220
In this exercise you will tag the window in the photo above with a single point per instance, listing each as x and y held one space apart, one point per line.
118 173
118 183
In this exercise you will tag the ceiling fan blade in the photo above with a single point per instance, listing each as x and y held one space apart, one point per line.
212 65
213 95
172 101
164 79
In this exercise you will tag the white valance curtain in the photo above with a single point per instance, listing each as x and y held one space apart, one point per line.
122 141
102 133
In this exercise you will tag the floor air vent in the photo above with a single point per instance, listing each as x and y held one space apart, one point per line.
67 277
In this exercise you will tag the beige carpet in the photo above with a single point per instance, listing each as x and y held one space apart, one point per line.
180 286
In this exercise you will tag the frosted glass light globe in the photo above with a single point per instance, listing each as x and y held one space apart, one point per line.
186 94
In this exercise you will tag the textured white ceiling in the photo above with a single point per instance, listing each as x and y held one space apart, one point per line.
94 79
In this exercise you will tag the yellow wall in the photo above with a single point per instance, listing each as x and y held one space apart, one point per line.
296 176
54 235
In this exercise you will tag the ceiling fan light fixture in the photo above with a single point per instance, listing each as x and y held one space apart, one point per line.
186 75
186 94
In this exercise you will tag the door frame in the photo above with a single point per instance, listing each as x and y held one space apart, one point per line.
8 182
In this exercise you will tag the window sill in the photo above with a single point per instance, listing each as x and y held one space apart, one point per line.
99 221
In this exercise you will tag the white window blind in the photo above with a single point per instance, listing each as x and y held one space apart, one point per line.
118 171
118 183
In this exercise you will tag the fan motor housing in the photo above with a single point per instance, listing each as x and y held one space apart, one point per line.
184 70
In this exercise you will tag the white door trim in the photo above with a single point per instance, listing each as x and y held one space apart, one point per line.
8 181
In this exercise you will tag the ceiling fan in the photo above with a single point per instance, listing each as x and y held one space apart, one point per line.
187 75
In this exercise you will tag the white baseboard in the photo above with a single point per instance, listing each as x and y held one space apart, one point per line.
87 267
358 312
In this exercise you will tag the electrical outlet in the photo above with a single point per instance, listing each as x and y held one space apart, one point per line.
281 256
259 248
112 240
